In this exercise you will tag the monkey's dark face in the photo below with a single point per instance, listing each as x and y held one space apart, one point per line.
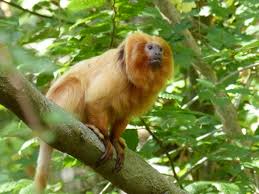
155 54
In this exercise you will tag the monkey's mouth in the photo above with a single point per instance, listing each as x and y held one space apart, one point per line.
155 62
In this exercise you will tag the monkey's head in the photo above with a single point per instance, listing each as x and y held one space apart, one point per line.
148 60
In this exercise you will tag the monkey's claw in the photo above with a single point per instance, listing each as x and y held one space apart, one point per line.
107 153
119 162
122 143
96 131
119 146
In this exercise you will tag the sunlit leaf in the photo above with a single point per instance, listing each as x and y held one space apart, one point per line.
77 5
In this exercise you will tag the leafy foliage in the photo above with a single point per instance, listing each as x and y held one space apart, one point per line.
54 35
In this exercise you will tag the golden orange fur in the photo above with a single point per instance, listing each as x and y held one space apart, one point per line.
107 90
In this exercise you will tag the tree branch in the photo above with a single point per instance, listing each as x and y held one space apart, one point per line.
72 137
33 12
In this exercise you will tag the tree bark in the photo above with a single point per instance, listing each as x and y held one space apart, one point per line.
226 113
72 137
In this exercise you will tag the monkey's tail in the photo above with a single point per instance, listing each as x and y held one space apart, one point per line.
42 171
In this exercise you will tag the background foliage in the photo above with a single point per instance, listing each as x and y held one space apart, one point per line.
48 36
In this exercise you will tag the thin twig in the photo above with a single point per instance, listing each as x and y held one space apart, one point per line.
26 10
161 144
33 12
105 188
194 167
238 71
246 83
195 98
113 22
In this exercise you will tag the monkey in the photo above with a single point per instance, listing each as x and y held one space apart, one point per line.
105 91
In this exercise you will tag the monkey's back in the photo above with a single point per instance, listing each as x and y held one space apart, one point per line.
97 80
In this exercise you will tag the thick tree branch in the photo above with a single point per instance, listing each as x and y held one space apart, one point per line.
72 137
226 113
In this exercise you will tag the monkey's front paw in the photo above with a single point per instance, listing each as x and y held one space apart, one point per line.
119 146
107 153
96 131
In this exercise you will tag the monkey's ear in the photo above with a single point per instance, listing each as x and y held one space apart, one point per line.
122 45
121 52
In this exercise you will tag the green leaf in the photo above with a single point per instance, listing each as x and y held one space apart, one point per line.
244 91
69 161
204 187
230 152
29 189
27 144
28 62
44 78
252 44
14 185
7 187
221 38
206 83
254 163
221 101
77 5
131 138
149 148
183 56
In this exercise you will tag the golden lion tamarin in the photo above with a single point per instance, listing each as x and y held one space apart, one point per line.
107 90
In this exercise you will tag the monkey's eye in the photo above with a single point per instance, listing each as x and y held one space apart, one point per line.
150 47
161 49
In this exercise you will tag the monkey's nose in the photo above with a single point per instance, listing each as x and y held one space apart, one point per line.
157 50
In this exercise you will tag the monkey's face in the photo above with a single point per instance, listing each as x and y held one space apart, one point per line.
154 54
148 59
